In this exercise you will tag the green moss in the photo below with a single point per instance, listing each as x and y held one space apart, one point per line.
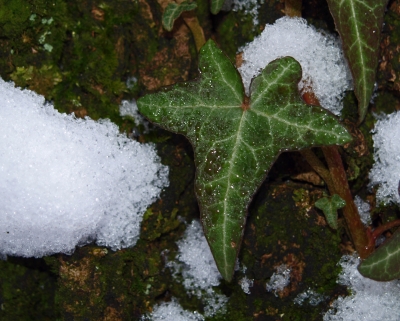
94 283
14 17
284 228
386 103
75 54
233 35
41 80
236 308
236 28
300 195
32 30
392 25
157 224
350 107
26 291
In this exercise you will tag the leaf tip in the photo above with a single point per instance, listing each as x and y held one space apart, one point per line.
227 274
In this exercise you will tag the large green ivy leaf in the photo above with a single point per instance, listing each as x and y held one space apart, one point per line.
237 139
216 6
359 24
384 263
173 11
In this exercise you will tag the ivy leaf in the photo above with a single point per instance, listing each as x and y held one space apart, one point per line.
330 205
216 6
384 263
359 24
236 139
173 11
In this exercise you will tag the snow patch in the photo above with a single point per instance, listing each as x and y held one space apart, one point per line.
313 298
386 170
196 266
325 69
66 181
363 210
369 300
172 311
130 109
279 280
246 284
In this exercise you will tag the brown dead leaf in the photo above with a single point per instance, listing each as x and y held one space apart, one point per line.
309 177
98 13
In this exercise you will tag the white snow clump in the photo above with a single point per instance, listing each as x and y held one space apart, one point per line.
370 300
363 210
172 311
313 298
249 7
325 69
130 109
66 181
386 170
246 283
197 267
279 280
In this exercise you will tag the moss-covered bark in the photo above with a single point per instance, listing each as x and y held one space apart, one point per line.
85 56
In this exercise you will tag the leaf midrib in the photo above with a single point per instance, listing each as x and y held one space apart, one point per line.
270 84
172 13
287 123
229 173
385 259
204 106
359 44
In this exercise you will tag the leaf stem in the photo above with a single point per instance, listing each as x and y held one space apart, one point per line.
319 167
197 31
380 229
337 184
357 230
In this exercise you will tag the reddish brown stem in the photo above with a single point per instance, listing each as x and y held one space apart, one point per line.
338 184
387 226
356 227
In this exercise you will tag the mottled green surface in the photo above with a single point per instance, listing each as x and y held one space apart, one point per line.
359 24
236 141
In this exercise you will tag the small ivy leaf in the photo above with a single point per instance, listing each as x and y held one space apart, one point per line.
173 11
236 139
330 205
359 25
384 263
216 6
